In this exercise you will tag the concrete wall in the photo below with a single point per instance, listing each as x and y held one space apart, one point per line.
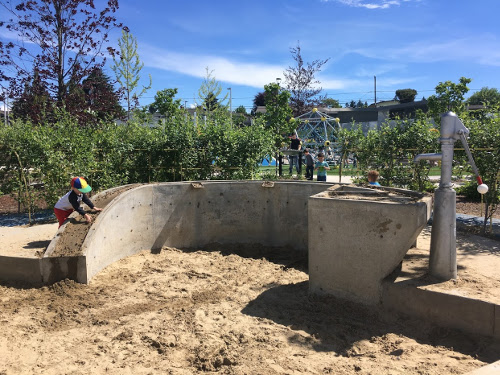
190 215
20 269
466 314
354 244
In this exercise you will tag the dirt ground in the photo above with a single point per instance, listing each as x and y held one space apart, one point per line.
236 310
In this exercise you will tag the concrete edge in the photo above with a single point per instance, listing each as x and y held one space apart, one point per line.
447 310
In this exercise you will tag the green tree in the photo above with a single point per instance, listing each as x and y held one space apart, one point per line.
484 142
165 104
240 115
241 109
449 97
209 92
330 103
406 95
301 82
127 70
485 96
360 104
278 113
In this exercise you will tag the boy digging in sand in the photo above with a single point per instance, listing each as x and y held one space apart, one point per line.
71 201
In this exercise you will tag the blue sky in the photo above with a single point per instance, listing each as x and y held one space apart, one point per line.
404 43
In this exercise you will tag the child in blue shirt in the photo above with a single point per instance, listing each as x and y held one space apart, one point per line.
321 166
373 177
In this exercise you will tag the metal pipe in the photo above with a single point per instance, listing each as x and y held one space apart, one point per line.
433 156
443 252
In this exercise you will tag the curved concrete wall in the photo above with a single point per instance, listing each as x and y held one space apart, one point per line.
194 214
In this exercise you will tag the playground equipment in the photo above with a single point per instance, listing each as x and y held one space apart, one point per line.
443 253
315 127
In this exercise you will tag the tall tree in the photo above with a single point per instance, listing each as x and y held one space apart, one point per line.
165 104
449 97
239 116
209 92
278 112
351 104
258 101
64 39
101 98
485 96
406 95
300 81
34 103
330 103
127 69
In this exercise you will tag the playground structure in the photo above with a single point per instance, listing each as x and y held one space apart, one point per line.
317 128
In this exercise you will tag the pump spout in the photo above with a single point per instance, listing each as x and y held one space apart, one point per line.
420 157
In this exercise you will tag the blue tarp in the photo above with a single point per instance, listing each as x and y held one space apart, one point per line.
266 162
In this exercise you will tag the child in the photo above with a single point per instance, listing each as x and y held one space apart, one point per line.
373 177
71 201
321 166
309 165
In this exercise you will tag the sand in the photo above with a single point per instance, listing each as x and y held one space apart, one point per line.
227 310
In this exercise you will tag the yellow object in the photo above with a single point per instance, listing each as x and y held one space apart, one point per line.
327 143
315 109
323 118
337 120
307 121
292 119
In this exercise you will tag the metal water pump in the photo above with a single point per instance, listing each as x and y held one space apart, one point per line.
443 252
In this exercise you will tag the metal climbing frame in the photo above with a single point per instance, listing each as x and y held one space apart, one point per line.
317 128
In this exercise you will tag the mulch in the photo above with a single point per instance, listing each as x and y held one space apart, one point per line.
9 205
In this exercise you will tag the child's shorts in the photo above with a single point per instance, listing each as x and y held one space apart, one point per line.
62 215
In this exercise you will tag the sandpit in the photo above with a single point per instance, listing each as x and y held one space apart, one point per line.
230 310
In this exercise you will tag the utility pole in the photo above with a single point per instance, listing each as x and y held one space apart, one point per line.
231 103
375 88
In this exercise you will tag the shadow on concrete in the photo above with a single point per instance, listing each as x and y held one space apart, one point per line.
347 328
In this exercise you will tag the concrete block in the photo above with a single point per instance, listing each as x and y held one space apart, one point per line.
20 269
357 238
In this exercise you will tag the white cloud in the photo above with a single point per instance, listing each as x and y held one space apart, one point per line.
236 72
483 49
373 4
243 73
